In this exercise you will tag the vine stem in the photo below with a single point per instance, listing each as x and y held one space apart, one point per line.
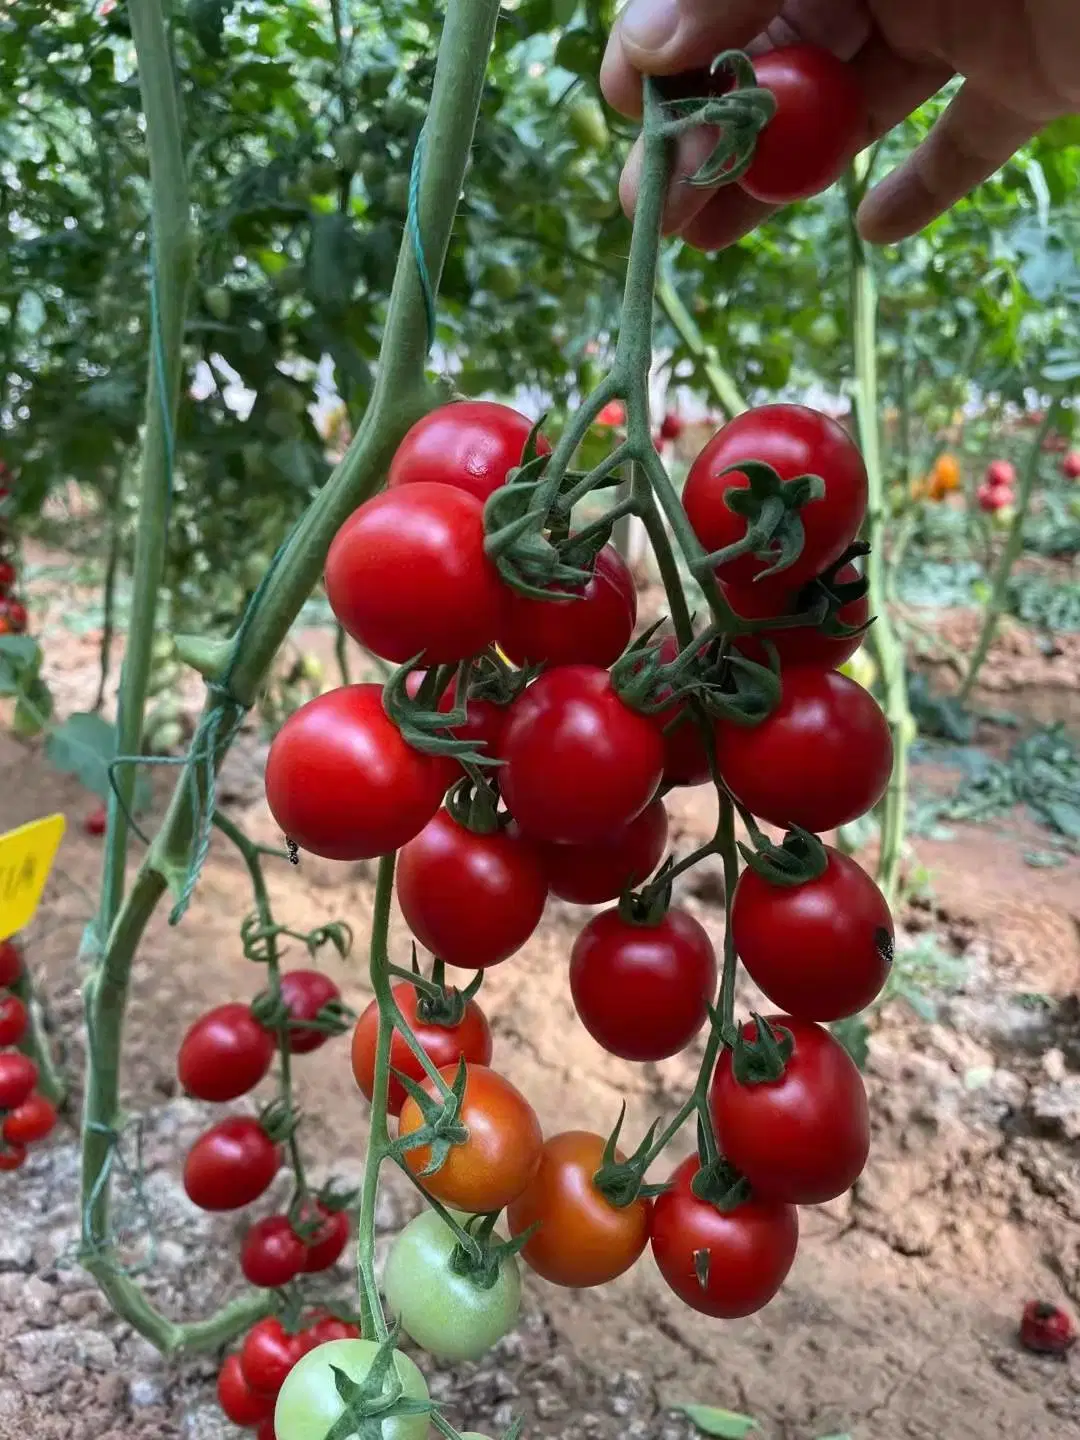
720 382
112 566
35 1043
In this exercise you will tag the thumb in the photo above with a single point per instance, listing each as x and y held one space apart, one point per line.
664 37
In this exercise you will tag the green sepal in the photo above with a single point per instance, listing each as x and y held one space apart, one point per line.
621 1182
424 728
442 1129
279 1121
762 1060
799 858
475 807
718 1183
770 506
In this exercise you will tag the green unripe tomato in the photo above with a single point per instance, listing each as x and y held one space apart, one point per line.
348 146
254 457
824 332
308 1404
219 302
473 1435
504 281
588 124
449 1315
1003 518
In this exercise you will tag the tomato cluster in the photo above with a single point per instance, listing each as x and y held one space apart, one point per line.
251 1378
26 1116
13 613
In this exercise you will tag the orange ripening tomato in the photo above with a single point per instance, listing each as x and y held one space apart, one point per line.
491 1168
583 1238
946 473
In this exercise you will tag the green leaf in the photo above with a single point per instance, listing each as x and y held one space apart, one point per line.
84 745
724 1423
20 656
207 21
854 1035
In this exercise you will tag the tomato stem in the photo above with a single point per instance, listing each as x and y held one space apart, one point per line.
35 1042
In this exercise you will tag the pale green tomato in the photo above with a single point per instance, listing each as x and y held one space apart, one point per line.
861 668
473 1435
308 1403
448 1315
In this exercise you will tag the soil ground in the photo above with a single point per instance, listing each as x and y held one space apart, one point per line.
900 1316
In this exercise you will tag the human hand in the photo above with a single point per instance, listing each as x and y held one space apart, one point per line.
1020 60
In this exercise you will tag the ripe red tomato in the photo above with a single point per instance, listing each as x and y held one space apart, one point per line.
642 991
821 759
749 1248
13 1019
686 761
472 899
803 1138
241 1404
268 1354
324 1246
820 950
1046 1329
328 1328
579 762
341 781
7 576
993 498
794 440
29 1122
612 415
230 1165
471 444
14 613
671 427
304 993
804 645
12 1158
594 874
1070 465
224 1054
407 573
592 630
18 1076
97 822
10 962
583 1238
272 1253
820 121
1001 473
444 1045
498 1160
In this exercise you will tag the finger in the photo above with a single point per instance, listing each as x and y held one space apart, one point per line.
683 200
975 136
842 26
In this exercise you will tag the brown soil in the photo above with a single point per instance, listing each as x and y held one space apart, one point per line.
899 1319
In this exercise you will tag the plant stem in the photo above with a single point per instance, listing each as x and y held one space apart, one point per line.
112 565
720 382
35 1043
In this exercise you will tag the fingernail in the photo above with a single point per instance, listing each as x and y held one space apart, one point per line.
650 24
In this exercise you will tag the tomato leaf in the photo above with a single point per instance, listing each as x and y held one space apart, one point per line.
85 746
727 1424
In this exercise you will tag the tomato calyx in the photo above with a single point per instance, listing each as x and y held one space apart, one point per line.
517 540
763 1059
442 1128
621 1182
800 857
648 906
271 1012
379 1397
438 1003
278 1121
421 724
771 508
475 807
721 1185
836 594
740 113
481 1261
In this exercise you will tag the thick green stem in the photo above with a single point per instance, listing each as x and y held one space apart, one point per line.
112 566
724 389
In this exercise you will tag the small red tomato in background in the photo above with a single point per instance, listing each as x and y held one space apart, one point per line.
444 1045
642 991
97 822
304 993
794 440
325 1245
328 1328
579 762
803 1138
15 614
13 1157
594 874
801 645
230 1165
471 899
7 576
13 1020
612 415
820 121
268 1354
724 1263
342 782
820 950
1070 465
1001 473
10 962
272 1253
30 1122
671 427
407 574
593 629
821 759
18 1076
224 1054
1046 1329
471 444
993 498
241 1404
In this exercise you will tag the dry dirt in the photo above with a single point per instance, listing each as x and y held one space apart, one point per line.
899 1319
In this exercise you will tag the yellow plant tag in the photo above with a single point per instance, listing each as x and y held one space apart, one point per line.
26 857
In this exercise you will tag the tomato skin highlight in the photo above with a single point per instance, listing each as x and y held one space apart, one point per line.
449 1315
230 1165
268 1354
594 629
13 1019
18 1077
820 760
594 874
10 962
804 1138
342 782
802 645
224 1054
583 1238
579 762
820 950
407 573
470 444
272 1253
29 1122
443 1045
308 1404
241 1404
751 1247
304 993
501 1155
820 121
794 440
642 991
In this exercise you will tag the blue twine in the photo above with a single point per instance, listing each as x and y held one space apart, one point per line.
413 222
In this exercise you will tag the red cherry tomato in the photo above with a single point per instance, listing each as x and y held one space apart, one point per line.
1046 1329
10 962
803 645
13 1019
330 1328
594 874
14 613
686 761
13 1157
224 1054
472 899
272 1253
241 1404
744 1253
97 822
612 415
341 781
7 577
304 993
444 1045
671 427
471 444
407 573
820 121
794 440
820 950
230 1165
579 762
642 991
821 759
268 1354
1001 473
803 1138
594 629
18 1076
324 1246
29 1122
1070 465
